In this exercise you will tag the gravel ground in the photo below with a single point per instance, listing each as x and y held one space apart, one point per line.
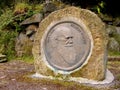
15 75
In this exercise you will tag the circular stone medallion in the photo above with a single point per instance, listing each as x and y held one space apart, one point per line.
66 46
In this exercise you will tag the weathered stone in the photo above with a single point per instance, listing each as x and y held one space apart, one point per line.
114 35
49 7
30 31
3 58
118 30
87 59
23 45
106 18
116 22
113 45
111 30
36 18
24 41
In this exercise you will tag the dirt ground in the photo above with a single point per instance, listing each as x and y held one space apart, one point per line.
15 75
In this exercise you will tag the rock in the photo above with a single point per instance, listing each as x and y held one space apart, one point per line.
33 19
48 8
118 30
3 58
31 29
111 30
23 45
106 18
94 63
116 22
114 34
113 45
24 41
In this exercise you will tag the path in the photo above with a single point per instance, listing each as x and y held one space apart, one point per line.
15 75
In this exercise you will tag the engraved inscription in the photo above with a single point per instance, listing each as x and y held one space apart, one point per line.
66 46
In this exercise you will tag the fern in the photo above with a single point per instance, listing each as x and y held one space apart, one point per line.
6 18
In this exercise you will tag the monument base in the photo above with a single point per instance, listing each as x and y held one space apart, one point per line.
108 78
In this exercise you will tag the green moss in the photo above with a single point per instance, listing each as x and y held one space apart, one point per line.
27 59
113 53
22 8
6 18
7 42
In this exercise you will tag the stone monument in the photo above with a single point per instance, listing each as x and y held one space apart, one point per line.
71 42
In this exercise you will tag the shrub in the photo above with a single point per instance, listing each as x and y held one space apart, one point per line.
21 8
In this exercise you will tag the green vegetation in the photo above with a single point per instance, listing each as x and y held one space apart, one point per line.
119 76
99 7
7 36
27 59
114 53
7 41
14 12
6 18
10 26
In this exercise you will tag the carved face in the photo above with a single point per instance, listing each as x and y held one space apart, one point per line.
64 37
66 46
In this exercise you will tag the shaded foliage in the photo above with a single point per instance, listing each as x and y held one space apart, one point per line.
111 7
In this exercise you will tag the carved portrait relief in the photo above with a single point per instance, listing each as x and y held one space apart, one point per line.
66 46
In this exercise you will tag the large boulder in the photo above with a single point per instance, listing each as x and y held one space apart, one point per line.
92 39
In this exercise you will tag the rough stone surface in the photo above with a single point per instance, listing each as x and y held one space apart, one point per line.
23 45
49 7
24 41
3 58
30 31
34 19
117 22
118 30
113 45
114 35
95 68
111 30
